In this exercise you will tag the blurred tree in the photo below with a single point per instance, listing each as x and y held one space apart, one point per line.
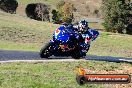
38 11
67 12
56 17
115 13
64 13
9 6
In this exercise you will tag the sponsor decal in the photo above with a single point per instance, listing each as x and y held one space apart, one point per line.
82 77
57 32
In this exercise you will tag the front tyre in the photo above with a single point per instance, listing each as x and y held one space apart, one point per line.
76 55
45 51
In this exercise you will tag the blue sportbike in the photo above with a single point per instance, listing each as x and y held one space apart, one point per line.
68 42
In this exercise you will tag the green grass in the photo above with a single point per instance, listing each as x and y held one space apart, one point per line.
110 44
20 32
51 74
5 45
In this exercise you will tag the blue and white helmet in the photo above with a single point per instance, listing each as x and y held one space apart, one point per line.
83 25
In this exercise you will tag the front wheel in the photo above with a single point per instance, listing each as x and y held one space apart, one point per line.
45 51
76 55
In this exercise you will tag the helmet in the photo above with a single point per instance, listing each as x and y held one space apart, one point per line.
83 25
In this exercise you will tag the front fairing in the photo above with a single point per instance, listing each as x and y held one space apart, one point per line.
90 35
63 34
60 35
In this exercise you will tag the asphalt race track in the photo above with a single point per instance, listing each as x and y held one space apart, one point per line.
31 56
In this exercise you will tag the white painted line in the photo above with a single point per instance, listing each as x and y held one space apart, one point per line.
54 60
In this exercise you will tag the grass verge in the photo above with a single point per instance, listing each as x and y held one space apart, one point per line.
56 74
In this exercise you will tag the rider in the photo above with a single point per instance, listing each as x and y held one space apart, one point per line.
80 34
83 28
85 34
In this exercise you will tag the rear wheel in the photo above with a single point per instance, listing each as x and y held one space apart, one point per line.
45 51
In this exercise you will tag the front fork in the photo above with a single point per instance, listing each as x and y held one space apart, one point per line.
84 48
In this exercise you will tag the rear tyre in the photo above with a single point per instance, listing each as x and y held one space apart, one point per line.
45 51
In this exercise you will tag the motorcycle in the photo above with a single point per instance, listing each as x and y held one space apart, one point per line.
66 42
